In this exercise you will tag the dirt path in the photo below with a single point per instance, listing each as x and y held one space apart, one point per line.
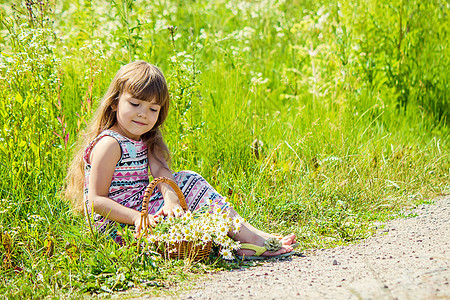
408 259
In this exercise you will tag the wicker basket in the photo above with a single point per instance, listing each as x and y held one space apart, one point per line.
180 250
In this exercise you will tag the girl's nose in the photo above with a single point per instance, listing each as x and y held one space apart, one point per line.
142 114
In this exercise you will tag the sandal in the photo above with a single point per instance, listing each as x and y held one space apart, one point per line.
271 245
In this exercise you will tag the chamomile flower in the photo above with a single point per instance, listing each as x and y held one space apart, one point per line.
221 240
227 254
152 238
206 237
238 220
184 218
237 228
159 218
186 231
222 229
196 234
178 211
235 245
178 237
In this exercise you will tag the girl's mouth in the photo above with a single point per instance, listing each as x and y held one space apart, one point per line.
139 123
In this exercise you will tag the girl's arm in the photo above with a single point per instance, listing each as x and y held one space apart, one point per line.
159 168
103 159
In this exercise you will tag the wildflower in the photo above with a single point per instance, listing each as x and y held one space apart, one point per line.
223 229
196 234
237 228
178 211
186 231
237 221
159 219
227 254
221 240
206 238
235 245
178 237
184 218
152 238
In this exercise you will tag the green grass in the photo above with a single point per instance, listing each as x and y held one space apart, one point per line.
348 104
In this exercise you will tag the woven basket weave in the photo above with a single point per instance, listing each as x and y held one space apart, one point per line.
179 250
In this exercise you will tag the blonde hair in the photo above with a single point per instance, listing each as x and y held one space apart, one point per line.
145 82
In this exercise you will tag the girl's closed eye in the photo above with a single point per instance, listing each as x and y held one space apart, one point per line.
134 103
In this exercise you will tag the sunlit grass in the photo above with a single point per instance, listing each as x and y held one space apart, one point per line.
312 118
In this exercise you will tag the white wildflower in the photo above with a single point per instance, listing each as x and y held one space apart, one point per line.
152 238
227 254
178 211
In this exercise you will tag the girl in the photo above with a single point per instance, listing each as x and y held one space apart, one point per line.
109 172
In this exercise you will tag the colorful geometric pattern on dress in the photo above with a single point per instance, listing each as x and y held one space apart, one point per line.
196 190
130 176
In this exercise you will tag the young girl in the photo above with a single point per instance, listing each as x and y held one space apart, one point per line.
109 172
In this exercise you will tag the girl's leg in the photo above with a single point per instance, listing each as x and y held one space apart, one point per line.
251 235
198 191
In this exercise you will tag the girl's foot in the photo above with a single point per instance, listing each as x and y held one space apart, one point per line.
258 251
288 239
285 240
258 248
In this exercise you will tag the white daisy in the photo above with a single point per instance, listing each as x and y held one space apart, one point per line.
178 211
227 254
159 219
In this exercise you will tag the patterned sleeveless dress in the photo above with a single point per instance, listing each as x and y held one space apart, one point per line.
131 178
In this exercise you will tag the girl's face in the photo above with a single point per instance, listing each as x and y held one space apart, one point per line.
135 117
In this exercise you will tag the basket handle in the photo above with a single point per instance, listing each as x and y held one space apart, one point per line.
148 192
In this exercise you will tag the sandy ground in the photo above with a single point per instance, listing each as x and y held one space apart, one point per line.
409 258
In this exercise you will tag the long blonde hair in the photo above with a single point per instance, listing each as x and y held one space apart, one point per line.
145 82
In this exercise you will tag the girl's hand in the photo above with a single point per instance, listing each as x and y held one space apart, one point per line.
166 210
170 203
137 223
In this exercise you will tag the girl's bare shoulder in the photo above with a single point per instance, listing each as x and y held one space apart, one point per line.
107 149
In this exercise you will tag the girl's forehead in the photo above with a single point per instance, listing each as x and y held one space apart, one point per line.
150 98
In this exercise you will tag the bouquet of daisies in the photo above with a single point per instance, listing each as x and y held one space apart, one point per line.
195 230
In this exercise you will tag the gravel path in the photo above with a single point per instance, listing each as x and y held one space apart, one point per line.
408 259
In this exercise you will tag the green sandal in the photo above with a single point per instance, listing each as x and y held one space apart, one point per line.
271 245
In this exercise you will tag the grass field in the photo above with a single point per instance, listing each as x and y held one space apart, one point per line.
318 118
